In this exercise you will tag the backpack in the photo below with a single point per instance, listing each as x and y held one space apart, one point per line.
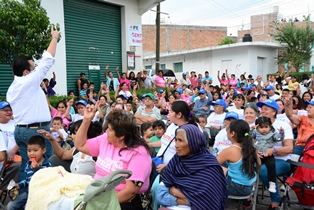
302 181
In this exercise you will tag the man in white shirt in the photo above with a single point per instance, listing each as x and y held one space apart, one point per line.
8 147
271 92
28 101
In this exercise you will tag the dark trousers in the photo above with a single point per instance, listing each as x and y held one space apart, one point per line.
135 204
21 135
271 167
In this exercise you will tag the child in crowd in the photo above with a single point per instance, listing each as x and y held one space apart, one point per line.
129 107
58 131
147 131
202 121
159 130
83 94
80 106
35 150
265 136
241 158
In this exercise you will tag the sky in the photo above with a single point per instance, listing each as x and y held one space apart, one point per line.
234 14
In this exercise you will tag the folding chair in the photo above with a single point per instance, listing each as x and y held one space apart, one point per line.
253 194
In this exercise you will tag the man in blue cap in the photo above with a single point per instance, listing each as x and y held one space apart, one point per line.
202 105
271 92
8 145
184 80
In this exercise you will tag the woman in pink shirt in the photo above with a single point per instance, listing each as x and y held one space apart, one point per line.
160 80
60 112
120 147
124 79
223 79
233 81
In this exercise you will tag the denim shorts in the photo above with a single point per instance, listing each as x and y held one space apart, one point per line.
238 189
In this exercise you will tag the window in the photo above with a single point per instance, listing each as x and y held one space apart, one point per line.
178 67
162 66
148 67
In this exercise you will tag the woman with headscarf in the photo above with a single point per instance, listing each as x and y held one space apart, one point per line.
190 166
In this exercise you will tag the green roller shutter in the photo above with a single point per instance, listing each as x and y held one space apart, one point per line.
92 37
6 79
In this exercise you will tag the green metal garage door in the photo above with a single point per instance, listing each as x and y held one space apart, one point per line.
93 37
6 79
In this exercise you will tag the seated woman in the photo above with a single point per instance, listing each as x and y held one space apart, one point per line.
241 158
80 162
120 147
192 165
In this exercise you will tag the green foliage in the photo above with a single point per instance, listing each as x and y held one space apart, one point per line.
298 42
226 40
297 75
24 29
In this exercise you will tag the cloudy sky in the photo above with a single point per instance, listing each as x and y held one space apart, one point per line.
235 14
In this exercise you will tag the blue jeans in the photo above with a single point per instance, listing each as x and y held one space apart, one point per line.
19 202
238 189
21 135
282 168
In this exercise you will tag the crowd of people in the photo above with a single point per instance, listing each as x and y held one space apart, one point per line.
213 139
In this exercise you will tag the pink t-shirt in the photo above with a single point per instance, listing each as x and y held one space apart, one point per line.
54 113
160 81
127 82
225 82
187 99
136 160
233 82
194 81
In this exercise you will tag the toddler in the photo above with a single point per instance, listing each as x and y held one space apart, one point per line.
58 131
36 149
147 131
265 136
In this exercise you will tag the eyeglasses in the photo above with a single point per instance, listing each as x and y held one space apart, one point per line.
6 110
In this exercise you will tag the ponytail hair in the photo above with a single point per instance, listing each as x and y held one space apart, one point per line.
249 157
183 107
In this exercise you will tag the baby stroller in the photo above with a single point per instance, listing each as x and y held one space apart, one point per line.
100 194
302 179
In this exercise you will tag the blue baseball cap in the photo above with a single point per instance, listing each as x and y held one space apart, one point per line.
179 90
160 91
269 102
202 91
309 102
269 87
233 115
143 95
219 102
4 104
83 102
183 74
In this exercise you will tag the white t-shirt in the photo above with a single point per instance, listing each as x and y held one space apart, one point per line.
64 134
288 135
84 165
7 141
283 117
221 142
302 112
240 112
127 93
165 139
215 119
274 97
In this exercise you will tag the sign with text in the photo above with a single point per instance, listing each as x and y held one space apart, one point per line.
131 60
135 35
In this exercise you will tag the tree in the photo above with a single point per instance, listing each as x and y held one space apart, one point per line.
226 40
24 29
297 41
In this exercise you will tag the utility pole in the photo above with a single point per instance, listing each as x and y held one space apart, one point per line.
157 38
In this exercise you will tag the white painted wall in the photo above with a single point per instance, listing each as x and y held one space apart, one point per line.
129 15
238 58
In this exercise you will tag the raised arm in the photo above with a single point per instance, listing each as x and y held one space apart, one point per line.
67 111
106 70
81 135
218 75
53 43
168 87
286 77
54 76
295 119
227 76
117 92
117 70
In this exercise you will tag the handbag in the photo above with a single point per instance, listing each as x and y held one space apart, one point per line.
159 159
